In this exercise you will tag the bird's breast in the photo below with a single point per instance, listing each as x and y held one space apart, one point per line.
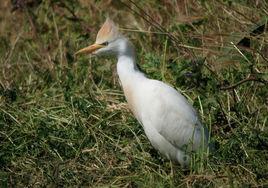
130 97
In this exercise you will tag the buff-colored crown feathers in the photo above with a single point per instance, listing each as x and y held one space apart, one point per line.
107 32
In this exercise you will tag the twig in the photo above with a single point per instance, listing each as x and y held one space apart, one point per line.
148 18
236 11
250 78
9 55
265 59
31 20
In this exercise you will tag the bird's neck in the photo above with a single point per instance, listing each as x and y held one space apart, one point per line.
130 76
127 68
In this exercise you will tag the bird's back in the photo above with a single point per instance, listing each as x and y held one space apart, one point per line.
162 108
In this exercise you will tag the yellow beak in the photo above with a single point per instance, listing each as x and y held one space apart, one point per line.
90 49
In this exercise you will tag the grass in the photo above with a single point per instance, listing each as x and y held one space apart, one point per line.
65 122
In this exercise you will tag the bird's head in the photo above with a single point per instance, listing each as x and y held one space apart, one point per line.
108 41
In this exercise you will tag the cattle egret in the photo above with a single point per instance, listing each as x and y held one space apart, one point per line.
169 121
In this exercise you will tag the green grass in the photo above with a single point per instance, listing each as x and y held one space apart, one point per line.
65 122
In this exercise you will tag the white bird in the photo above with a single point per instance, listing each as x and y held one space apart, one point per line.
169 121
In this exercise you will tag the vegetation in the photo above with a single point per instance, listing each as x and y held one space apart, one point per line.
64 120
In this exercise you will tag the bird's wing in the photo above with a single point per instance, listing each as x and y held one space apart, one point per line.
174 118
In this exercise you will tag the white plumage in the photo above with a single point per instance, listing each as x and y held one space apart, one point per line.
169 121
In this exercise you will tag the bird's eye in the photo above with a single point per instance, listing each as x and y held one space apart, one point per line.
105 44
